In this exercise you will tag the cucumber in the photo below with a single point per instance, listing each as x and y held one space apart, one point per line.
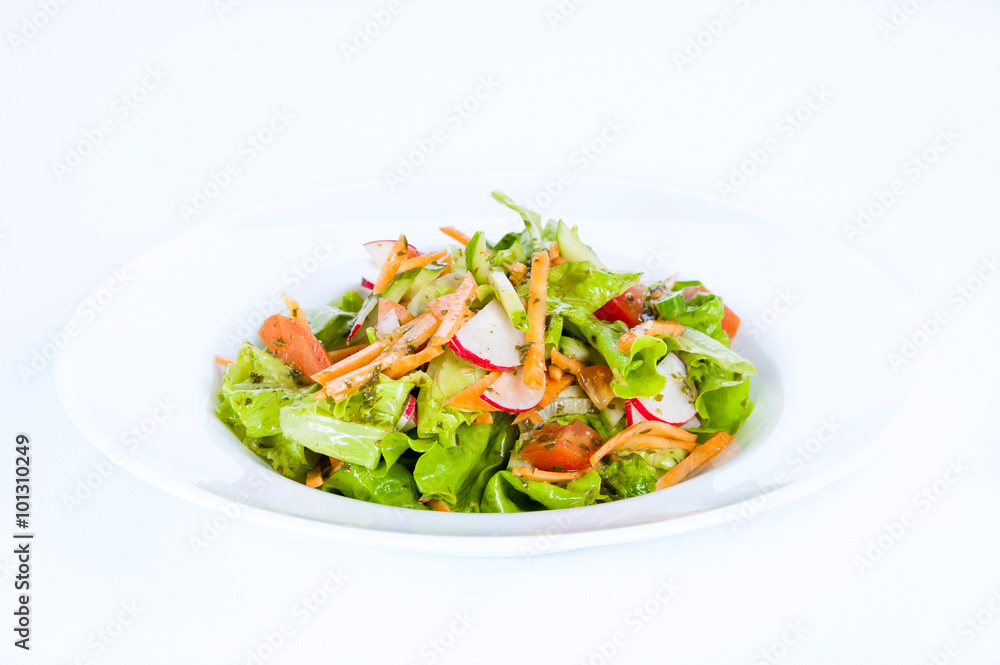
426 275
509 299
574 348
439 287
400 285
571 247
477 258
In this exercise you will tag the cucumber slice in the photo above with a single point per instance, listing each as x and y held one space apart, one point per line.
509 299
574 348
477 258
426 275
400 285
573 248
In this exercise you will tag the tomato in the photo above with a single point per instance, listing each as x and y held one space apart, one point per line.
555 447
294 344
730 322
596 382
626 308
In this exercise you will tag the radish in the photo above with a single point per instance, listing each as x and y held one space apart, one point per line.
508 393
386 325
379 250
632 415
675 403
359 321
489 339
367 283
408 420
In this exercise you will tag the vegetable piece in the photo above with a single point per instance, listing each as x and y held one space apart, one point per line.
572 248
386 306
653 328
408 420
470 399
648 442
510 393
629 477
517 271
626 308
462 296
381 250
455 234
344 386
224 361
509 299
359 320
530 415
294 344
596 381
553 251
366 354
534 362
407 364
676 402
571 365
548 476
396 257
640 429
699 456
437 504
314 477
483 419
489 339
421 261
341 354
477 256
553 388
730 322
293 308
388 486
555 447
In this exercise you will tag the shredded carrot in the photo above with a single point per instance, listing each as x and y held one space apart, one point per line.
455 234
344 386
439 505
517 272
531 415
653 427
484 419
222 360
649 442
556 372
571 365
559 261
340 354
470 399
385 306
335 465
548 476
421 261
350 363
553 388
554 251
396 256
314 477
293 307
534 362
405 365
699 456
409 337
654 328
456 316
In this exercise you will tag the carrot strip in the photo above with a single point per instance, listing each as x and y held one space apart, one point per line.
517 272
405 365
335 464
484 419
455 234
385 306
421 261
343 387
554 251
222 360
350 363
534 362
699 456
654 427
439 505
531 415
553 388
346 352
314 477
470 399
558 261
293 307
654 328
455 317
648 442
548 476
410 336
571 365
396 256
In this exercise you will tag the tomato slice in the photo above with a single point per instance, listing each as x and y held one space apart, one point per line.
555 447
626 308
294 344
730 322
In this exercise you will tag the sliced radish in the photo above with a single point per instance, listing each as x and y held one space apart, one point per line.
379 250
489 339
386 325
508 393
359 321
367 283
675 403
408 420
632 415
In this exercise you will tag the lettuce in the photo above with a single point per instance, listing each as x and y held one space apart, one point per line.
448 374
703 312
257 409
286 457
256 366
628 477
313 427
380 404
458 475
507 493
664 460
580 285
388 485
331 323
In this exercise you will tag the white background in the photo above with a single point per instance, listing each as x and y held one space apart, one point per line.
687 125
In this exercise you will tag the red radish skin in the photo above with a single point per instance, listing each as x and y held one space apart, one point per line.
489 340
674 405
359 321
367 283
632 415
379 250
408 420
508 393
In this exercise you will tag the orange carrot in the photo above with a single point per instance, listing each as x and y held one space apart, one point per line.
293 306
558 261
470 399
396 256
648 442
556 372
335 465
534 362
484 419
554 251
410 336
453 320
344 386
699 456
350 363
455 234
531 415
314 477
222 360
517 272
346 352
422 260
654 328
571 365
407 364
553 388
653 427
437 504
529 473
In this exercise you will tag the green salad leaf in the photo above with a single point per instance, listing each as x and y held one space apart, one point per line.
388 485
703 312
635 371
628 477
286 457
448 374
580 285
507 493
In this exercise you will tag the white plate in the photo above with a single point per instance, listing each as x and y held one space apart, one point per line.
820 358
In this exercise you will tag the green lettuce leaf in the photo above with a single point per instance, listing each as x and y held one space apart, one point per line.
312 426
257 409
507 493
635 371
380 404
286 457
258 367
388 485
580 285
703 312
664 460
448 374
628 477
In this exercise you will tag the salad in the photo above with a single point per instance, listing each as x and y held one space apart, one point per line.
516 375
